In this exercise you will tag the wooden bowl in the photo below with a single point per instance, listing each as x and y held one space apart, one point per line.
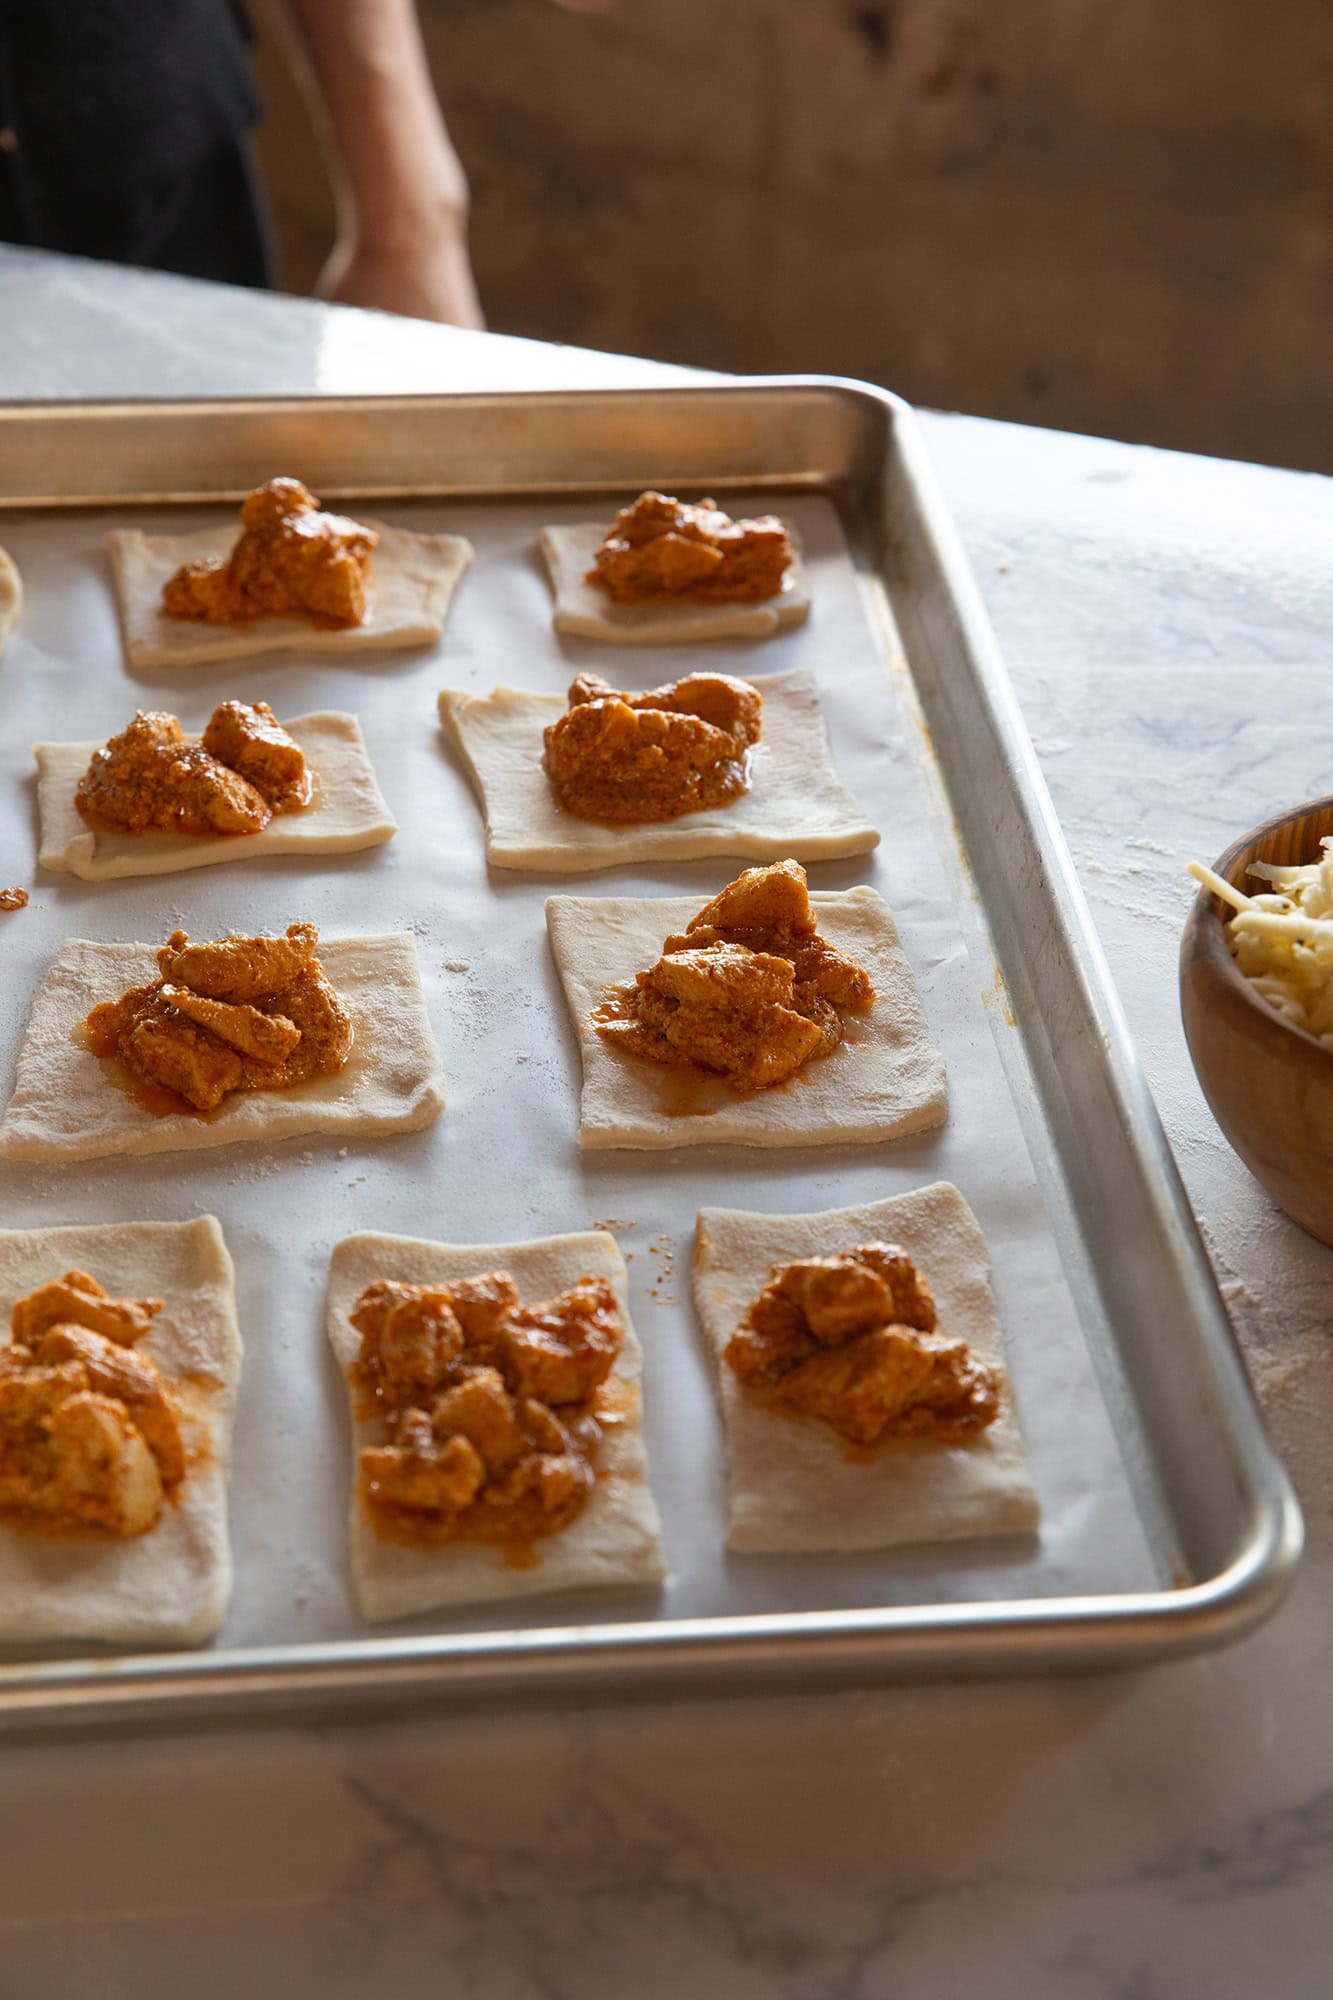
1269 1084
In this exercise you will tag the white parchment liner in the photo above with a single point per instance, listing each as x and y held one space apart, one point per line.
502 1162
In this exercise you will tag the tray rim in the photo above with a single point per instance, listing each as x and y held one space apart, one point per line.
1075 1632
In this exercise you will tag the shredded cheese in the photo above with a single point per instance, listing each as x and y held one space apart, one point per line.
1282 938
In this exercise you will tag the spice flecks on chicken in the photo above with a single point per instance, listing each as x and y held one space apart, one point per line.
151 779
636 758
292 560
489 1407
749 991
662 547
89 1440
238 1013
852 1340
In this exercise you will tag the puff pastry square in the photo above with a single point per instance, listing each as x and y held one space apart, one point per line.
412 580
796 804
887 1079
348 811
613 1542
65 1106
794 1485
584 611
172 1585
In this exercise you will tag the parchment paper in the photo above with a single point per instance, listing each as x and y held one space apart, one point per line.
503 1161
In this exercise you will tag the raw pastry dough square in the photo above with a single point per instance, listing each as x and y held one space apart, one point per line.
347 812
796 803
66 1107
172 1585
886 1080
412 579
613 1542
794 1486
584 611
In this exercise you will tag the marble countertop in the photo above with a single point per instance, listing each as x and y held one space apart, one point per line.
1165 1835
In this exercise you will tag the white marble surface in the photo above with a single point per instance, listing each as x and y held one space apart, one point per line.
1157 1836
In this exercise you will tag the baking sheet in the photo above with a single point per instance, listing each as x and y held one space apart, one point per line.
512 1079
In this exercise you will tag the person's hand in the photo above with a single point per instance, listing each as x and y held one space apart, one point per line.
428 276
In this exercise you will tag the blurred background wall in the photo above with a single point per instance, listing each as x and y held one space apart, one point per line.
1103 215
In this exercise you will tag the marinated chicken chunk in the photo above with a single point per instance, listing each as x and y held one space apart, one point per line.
128 1378
72 1462
151 779
723 1009
89 1439
482 1306
852 1341
239 1013
178 1057
410 1340
623 758
418 1478
76 1299
269 1038
872 1286
749 991
662 547
291 560
768 909
488 1407
481 1409
238 968
560 1351
248 737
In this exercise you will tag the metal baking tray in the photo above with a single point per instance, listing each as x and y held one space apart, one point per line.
1217 1511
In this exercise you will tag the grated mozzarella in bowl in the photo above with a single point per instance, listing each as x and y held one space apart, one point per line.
1282 938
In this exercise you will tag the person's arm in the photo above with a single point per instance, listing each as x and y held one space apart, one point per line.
400 188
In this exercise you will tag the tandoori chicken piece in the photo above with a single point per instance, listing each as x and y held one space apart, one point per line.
76 1299
749 991
419 1478
72 1462
89 1438
867 1287
127 1378
625 758
895 1381
178 1056
238 968
723 1009
269 1038
852 1341
467 1383
662 547
481 1409
482 1306
559 1352
239 1013
768 909
248 737
151 779
291 560
410 1340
